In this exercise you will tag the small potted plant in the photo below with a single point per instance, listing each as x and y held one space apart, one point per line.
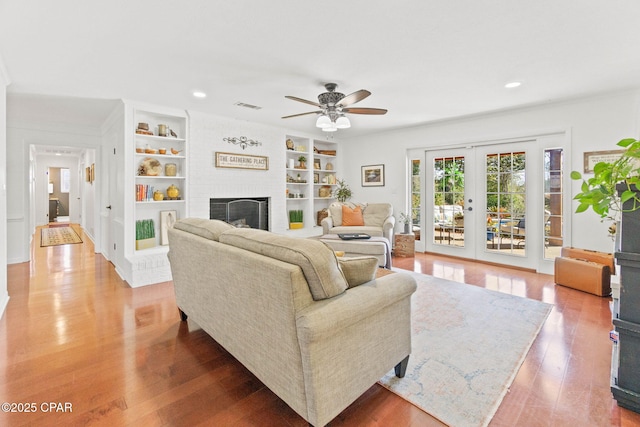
342 192
303 162
406 221
296 219
145 234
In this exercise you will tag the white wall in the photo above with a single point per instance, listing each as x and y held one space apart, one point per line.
594 123
207 181
4 82
21 176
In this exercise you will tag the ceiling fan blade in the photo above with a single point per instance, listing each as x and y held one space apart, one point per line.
294 98
354 97
377 111
302 114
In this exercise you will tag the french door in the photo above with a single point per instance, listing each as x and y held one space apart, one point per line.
477 199
450 202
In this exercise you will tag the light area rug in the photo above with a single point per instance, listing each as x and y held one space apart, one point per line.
467 346
59 236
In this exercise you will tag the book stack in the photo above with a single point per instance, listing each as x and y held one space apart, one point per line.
144 193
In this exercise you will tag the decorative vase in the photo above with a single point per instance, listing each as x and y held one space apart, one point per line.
145 243
158 196
173 192
296 225
170 169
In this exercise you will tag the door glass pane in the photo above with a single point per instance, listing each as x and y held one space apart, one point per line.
506 202
415 197
448 200
553 209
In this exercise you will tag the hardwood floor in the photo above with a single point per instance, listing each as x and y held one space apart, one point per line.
74 332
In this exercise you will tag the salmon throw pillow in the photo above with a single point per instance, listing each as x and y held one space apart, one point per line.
352 216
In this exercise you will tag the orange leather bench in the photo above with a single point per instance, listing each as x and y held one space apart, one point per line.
585 270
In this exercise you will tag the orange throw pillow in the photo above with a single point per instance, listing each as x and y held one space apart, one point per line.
352 216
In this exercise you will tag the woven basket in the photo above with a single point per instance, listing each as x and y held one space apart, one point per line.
322 215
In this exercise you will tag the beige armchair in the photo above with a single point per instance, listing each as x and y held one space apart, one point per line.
378 220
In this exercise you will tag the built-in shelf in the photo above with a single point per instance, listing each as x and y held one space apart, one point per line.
316 171
177 122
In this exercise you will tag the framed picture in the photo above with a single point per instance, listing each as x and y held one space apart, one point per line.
373 176
316 164
593 157
316 178
167 219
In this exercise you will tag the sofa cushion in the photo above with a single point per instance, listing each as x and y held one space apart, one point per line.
317 261
352 216
358 270
335 211
207 228
375 214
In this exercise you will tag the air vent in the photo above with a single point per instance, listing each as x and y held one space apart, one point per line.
242 104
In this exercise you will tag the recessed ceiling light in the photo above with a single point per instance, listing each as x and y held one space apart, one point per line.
511 85
198 94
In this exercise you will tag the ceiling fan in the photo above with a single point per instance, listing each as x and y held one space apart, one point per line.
333 107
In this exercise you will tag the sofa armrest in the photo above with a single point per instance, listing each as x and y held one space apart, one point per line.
324 318
327 224
387 228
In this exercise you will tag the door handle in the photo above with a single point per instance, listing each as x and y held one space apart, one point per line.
109 207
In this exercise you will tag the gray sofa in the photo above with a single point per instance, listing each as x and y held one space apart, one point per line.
378 220
316 331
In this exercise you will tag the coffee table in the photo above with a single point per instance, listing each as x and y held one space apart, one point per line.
375 246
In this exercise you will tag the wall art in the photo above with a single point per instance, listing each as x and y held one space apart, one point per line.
241 161
373 176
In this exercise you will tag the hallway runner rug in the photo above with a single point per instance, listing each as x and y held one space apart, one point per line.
468 344
59 236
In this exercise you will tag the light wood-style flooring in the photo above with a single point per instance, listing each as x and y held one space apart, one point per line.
76 335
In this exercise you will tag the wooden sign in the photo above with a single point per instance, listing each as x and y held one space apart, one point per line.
241 161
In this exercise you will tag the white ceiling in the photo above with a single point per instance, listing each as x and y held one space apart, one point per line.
423 60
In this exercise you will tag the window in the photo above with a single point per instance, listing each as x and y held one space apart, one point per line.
506 202
415 197
65 180
552 213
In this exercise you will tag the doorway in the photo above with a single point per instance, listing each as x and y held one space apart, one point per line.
496 202
58 189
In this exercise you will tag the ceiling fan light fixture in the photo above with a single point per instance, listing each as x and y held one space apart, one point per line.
331 128
343 123
323 121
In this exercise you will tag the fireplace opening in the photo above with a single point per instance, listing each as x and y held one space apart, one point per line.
250 212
